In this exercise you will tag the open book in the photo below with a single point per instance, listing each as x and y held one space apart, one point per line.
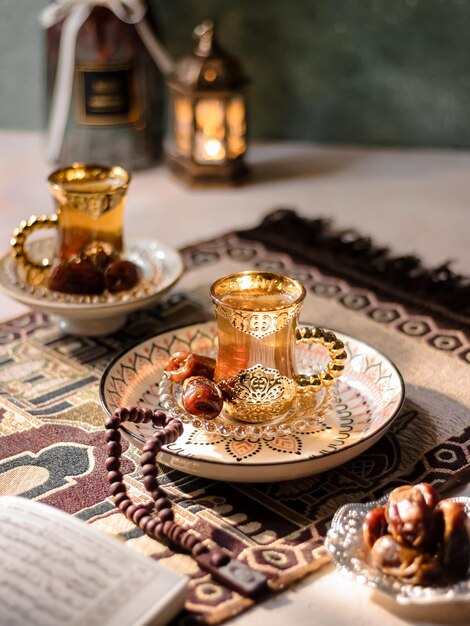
56 570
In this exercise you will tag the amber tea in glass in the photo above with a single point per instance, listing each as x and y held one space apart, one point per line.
89 202
238 350
90 206
257 319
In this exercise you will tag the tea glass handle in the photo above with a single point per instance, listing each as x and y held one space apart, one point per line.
335 366
20 234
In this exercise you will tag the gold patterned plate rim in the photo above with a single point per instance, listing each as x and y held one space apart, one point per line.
371 396
345 540
161 265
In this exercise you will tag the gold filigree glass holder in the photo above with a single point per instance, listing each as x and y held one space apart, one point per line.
305 413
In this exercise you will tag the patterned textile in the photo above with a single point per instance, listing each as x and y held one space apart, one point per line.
51 436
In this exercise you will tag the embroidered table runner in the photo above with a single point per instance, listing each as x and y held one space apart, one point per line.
51 435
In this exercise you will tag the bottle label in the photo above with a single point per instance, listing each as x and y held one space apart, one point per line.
106 94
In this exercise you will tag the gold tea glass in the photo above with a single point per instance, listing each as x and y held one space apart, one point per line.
89 202
257 317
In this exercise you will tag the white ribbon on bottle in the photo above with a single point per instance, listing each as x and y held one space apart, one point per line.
74 13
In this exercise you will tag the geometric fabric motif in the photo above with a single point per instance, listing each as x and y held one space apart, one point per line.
52 445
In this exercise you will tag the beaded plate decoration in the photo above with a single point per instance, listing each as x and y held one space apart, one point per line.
155 261
345 544
308 409
161 268
370 395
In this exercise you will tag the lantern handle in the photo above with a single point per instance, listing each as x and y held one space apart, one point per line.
205 33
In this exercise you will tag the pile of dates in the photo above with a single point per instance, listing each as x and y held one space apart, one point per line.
201 396
96 269
418 538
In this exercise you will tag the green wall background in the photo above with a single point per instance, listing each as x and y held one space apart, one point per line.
390 72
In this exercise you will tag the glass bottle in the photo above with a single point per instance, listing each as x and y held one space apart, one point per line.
116 107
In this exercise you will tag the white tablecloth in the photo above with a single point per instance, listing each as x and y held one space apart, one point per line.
415 201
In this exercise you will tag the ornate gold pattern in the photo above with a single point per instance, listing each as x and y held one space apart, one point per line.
265 282
307 409
257 324
94 205
89 199
258 394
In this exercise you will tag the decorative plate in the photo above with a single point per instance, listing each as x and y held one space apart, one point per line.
371 393
161 268
345 542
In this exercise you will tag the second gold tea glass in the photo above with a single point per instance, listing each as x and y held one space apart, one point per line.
89 202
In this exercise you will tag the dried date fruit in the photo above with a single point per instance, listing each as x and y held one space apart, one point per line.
202 398
182 365
121 275
392 557
409 516
429 494
100 253
403 562
418 539
77 276
455 550
375 525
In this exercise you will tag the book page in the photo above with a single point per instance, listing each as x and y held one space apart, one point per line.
56 570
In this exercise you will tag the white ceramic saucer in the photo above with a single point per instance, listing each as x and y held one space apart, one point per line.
161 268
371 393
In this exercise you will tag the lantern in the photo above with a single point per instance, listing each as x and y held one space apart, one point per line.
208 114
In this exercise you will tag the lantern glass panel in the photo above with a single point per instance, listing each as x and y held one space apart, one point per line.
183 125
236 127
209 133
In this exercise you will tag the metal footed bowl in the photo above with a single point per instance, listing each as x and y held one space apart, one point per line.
93 315
345 544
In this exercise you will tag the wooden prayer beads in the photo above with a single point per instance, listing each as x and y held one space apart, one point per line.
161 524
156 517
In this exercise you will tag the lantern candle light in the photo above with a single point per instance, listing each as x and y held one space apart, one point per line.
208 114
